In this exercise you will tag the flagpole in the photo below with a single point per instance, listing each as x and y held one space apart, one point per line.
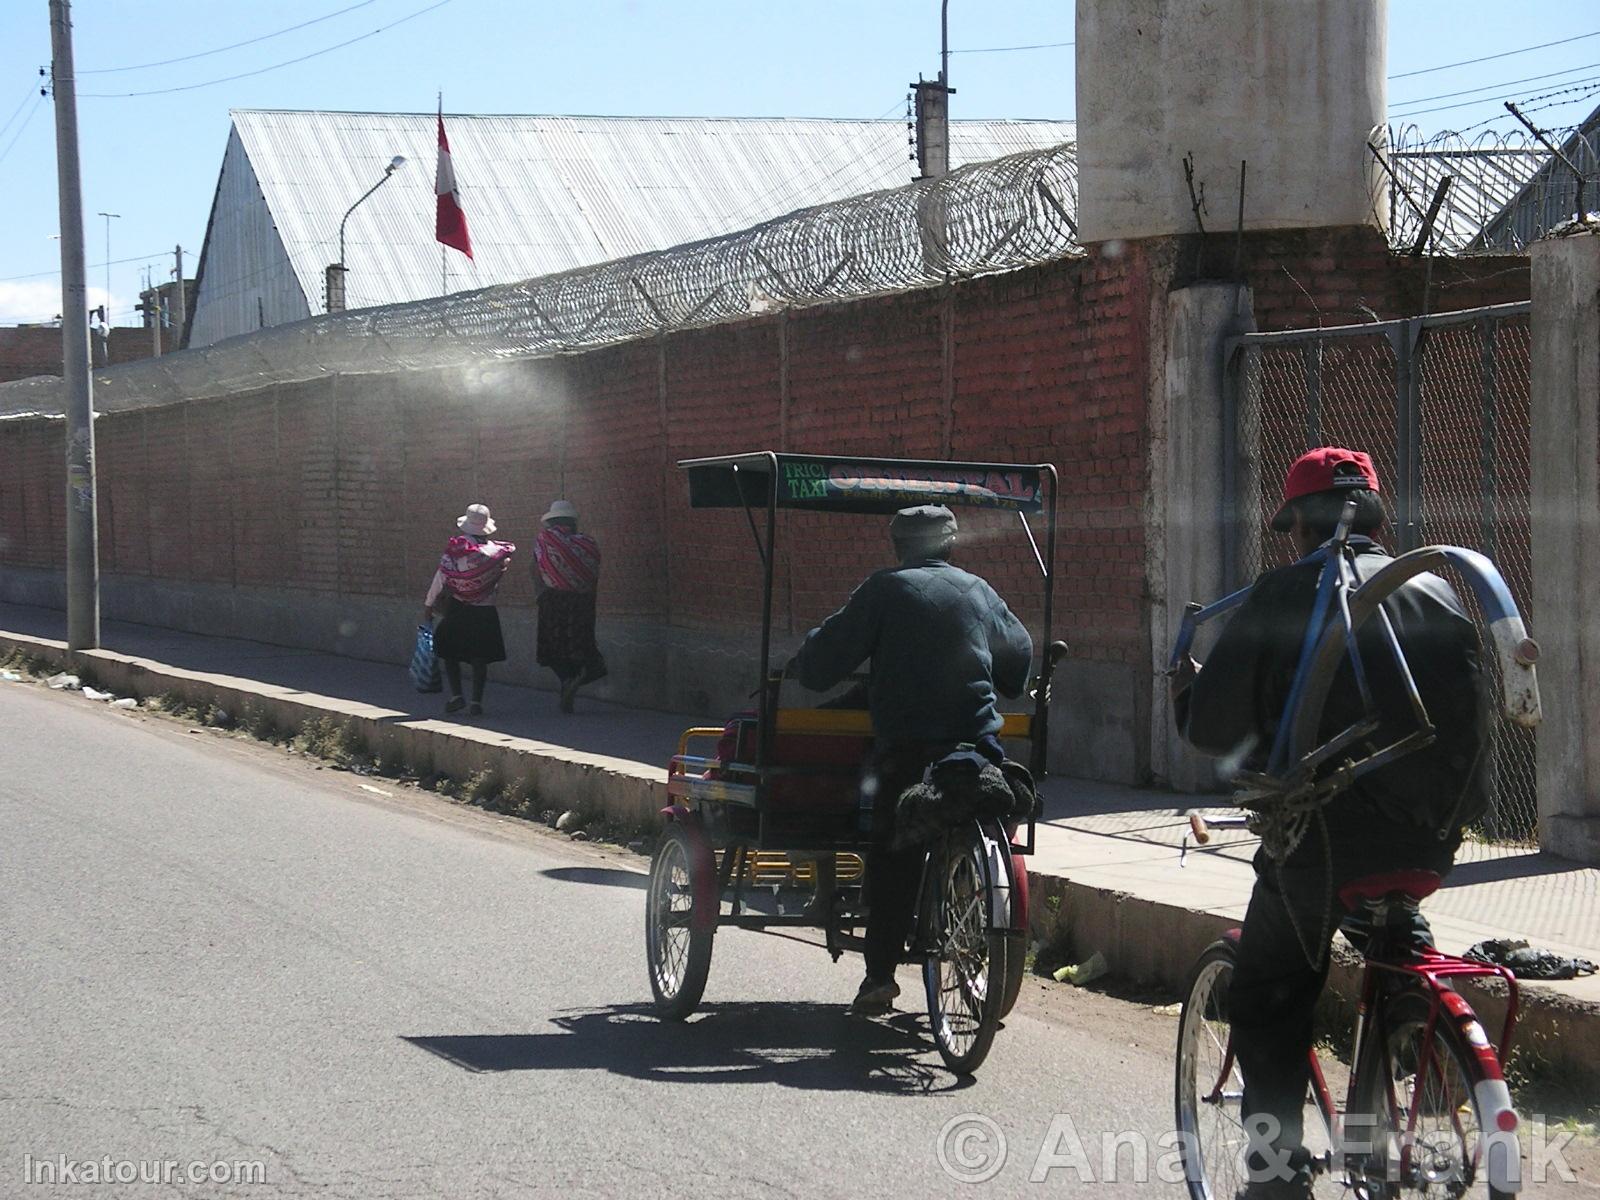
450 220
444 276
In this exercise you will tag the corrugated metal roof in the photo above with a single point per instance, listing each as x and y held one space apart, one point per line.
546 194
1550 196
1483 181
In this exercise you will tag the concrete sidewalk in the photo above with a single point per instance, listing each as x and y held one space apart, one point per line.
1111 854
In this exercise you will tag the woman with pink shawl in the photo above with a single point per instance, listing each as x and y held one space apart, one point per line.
566 572
462 593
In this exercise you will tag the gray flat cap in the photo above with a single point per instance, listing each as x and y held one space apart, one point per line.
924 522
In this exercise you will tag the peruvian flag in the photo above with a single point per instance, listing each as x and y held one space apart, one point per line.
450 224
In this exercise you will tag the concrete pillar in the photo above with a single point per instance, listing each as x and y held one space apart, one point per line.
1565 441
1293 87
1189 442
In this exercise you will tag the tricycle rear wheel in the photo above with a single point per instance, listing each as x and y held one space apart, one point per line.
677 932
964 972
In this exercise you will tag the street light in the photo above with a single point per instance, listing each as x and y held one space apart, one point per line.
335 280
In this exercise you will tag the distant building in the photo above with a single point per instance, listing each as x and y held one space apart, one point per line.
542 195
30 350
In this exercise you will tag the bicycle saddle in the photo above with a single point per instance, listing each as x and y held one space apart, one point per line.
1415 885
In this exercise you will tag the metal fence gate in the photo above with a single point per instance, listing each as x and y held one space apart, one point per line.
1442 405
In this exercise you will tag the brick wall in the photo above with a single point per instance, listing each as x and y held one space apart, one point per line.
26 351
347 488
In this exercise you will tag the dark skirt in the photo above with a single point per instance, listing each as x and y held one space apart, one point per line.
566 632
470 633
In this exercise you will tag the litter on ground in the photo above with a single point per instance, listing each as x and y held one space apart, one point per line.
1085 972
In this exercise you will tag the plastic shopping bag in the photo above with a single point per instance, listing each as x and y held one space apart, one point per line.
424 666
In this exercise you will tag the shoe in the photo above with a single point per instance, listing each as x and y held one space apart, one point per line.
454 704
874 999
569 693
474 709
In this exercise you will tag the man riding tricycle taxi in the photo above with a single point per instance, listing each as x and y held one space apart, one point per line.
941 643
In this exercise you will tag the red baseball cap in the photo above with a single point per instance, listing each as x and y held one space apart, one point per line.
1325 469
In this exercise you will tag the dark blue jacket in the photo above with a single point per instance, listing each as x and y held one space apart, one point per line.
941 642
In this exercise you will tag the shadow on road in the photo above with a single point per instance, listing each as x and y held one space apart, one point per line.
815 1047
598 877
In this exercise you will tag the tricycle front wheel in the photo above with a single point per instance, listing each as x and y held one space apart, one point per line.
677 931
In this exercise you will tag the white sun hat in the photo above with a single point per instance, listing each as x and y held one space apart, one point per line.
561 508
476 520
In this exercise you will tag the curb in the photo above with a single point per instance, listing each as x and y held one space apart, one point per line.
591 783
1144 941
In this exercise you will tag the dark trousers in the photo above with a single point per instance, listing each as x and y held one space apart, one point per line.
480 677
892 875
1273 997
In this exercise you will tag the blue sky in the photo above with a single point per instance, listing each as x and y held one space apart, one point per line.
153 159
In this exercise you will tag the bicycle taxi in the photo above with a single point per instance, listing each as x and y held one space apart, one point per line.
767 826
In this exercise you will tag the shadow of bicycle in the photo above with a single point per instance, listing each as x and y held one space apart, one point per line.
813 1047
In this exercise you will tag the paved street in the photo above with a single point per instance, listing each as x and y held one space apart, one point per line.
215 952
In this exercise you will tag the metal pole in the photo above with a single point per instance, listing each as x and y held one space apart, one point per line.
109 217
944 44
83 565
394 164
183 296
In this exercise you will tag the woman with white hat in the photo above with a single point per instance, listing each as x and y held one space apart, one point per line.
463 591
566 572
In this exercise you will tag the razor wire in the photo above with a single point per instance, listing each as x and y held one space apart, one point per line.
1000 215
1497 192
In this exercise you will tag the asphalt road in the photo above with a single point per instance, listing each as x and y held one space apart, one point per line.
215 953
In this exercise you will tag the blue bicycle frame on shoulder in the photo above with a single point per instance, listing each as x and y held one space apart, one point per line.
1339 590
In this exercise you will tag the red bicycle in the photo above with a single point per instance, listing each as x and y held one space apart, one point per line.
1427 1111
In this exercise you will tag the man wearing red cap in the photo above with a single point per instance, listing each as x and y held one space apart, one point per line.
1407 814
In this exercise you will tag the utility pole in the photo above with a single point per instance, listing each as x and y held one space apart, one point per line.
183 297
933 108
83 550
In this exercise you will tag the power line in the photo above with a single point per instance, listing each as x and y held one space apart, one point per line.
21 129
796 184
167 62
262 71
1500 116
29 92
1007 49
1489 87
1586 86
115 262
1491 57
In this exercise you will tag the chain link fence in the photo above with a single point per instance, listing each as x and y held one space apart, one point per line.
1011 212
1442 405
